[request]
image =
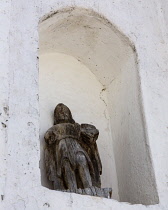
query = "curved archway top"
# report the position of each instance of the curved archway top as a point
(90, 38)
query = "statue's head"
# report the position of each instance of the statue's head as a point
(62, 114)
(89, 133)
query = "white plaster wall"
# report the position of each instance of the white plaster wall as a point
(132, 155)
(63, 79)
(144, 24)
(4, 90)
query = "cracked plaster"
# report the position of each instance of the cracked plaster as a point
(144, 22)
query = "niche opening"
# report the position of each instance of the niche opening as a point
(99, 47)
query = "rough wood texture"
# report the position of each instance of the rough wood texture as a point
(94, 191)
(71, 156)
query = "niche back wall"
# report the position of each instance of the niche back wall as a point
(63, 79)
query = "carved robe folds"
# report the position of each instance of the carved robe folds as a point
(71, 155)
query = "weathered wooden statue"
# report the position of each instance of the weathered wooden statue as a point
(71, 155)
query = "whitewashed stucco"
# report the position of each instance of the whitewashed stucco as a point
(144, 23)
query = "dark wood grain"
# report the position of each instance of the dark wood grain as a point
(71, 156)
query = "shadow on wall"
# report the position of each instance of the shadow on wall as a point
(111, 57)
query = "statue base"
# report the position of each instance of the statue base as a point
(93, 191)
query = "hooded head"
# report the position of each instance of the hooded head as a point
(89, 133)
(62, 114)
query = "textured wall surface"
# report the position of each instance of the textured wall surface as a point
(144, 23)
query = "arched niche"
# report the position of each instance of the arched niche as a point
(110, 56)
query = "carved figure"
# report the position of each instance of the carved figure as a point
(88, 137)
(71, 155)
